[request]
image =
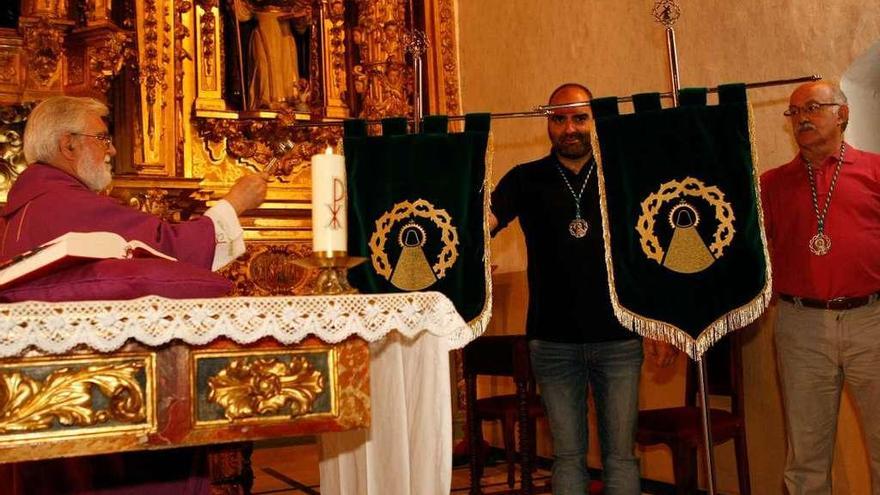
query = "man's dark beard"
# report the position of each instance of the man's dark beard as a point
(573, 151)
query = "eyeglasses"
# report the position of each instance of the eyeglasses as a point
(104, 138)
(808, 109)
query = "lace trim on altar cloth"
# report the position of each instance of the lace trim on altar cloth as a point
(106, 325)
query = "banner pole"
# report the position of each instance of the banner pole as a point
(707, 425)
(545, 110)
(416, 44)
(666, 12)
(245, 104)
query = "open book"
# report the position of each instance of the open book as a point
(71, 248)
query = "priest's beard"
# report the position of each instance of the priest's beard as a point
(95, 174)
(573, 145)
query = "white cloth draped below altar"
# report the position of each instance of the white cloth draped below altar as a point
(408, 448)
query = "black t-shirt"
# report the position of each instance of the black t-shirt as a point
(568, 282)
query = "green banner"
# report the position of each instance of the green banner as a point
(687, 261)
(417, 206)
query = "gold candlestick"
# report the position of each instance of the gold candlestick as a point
(332, 278)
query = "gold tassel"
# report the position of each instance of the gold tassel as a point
(478, 325)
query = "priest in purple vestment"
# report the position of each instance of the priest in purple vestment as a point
(68, 149)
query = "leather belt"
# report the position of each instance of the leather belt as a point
(838, 304)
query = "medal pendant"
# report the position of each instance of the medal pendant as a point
(578, 228)
(820, 244)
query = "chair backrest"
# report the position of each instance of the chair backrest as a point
(723, 370)
(498, 355)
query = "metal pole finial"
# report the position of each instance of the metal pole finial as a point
(666, 12)
(415, 43)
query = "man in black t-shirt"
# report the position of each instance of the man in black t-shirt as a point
(574, 338)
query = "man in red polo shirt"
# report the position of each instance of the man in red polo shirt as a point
(822, 216)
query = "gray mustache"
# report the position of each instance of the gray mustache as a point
(806, 126)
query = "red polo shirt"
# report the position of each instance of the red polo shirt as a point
(852, 267)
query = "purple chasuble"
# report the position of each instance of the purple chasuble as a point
(45, 203)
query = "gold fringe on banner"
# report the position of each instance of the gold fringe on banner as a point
(478, 325)
(667, 332)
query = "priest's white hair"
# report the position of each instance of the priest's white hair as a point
(53, 118)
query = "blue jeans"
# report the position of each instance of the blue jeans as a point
(612, 369)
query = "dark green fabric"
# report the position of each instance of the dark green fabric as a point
(640, 152)
(436, 124)
(445, 169)
(355, 127)
(604, 107)
(394, 126)
(646, 102)
(692, 97)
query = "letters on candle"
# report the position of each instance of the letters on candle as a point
(329, 203)
(338, 204)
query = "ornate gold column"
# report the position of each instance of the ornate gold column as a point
(443, 91)
(154, 150)
(381, 76)
(207, 68)
(333, 59)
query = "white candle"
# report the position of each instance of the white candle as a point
(329, 204)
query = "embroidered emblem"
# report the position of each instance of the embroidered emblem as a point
(686, 251)
(417, 226)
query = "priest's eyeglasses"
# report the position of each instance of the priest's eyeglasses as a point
(105, 139)
(809, 109)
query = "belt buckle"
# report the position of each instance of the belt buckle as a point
(832, 303)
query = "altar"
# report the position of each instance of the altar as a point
(369, 374)
(95, 377)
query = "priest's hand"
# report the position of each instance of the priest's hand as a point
(248, 192)
(661, 353)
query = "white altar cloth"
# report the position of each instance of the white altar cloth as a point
(408, 448)
(106, 325)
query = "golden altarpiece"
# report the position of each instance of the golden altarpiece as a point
(202, 92)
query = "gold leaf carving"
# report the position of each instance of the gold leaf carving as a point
(208, 21)
(12, 122)
(336, 48)
(268, 270)
(107, 59)
(44, 48)
(381, 76)
(152, 70)
(265, 386)
(253, 141)
(65, 396)
(449, 54)
(273, 270)
(9, 74)
(181, 33)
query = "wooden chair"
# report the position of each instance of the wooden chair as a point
(506, 355)
(680, 428)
